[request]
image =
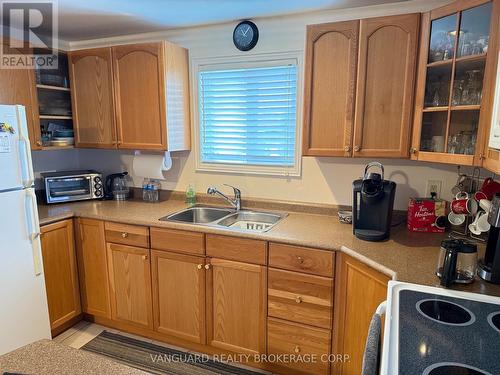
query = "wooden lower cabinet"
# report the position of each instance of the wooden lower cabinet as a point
(92, 267)
(299, 297)
(236, 306)
(359, 290)
(179, 295)
(61, 275)
(303, 349)
(130, 285)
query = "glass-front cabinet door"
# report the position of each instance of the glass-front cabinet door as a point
(452, 66)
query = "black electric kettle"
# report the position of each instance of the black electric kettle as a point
(108, 184)
(457, 262)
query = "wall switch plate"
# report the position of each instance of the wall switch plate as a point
(433, 186)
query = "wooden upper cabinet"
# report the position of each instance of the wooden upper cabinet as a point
(18, 86)
(330, 76)
(455, 85)
(139, 92)
(385, 85)
(130, 285)
(131, 97)
(92, 98)
(61, 274)
(236, 306)
(358, 292)
(491, 159)
(92, 267)
(152, 96)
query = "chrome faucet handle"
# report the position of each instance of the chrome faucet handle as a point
(237, 192)
(211, 190)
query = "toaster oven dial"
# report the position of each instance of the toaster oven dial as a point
(97, 180)
(98, 193)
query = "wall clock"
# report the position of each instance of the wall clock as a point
(245, 35)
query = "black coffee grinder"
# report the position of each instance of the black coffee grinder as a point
(489, 267)
(373, 202)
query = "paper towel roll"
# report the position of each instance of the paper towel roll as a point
(151, 165)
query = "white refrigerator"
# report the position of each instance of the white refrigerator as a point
(24, 316)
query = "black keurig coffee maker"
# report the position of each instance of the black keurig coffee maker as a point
(373, 201)
(489, 267)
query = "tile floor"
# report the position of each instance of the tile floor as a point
(82, 332)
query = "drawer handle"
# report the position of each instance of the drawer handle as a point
(300, 259)
(296, 349)
(298, 299)
(207, 266)
(124, 234)
(199, 266)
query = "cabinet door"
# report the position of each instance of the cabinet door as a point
(92, 98)
(130, 285)
(18, 86)
(179, 311)
(330, 76)
(140, 96)
(385, 85)
(358, 292)
(92, 267)
(236, 294)
(61, 275)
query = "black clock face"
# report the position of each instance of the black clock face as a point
(245, 35)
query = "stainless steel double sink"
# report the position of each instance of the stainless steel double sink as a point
(244, 220)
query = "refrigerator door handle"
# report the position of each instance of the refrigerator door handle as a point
(26, 166)
(33, 226)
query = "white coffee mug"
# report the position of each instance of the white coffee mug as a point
(456, 219)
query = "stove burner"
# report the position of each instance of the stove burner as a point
(445, 312)
(494, 320)
(452, 368)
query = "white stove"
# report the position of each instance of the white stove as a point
(436, 331)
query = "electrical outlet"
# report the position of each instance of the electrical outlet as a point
(433, 186)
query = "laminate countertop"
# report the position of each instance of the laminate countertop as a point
(406, 256)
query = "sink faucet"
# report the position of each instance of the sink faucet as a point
(236, 202)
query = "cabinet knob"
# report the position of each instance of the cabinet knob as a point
(357, 148)
(296, 349)
(144, 257)
(298, 299)
(300, 259)
(199, 266)
(347, 148)
(39, 143)
(207, 266)
(413, 150)
(124, 234)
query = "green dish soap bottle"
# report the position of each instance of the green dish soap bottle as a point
(190, 195)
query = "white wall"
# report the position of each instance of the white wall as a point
(323, 180)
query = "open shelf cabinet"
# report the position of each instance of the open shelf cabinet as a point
(54, 105)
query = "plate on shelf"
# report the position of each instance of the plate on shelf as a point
(62, 141)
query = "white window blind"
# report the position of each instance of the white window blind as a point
(248, 116)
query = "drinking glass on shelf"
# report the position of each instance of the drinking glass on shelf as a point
(458, 87)
(477, 84)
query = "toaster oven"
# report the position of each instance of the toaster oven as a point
(68, 186)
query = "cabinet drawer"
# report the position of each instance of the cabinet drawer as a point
(300, 298)
(132, 235)
(239, 249)
(302, 259)
(296, 339)
(177, 240)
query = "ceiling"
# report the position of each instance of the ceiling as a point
(89, 19)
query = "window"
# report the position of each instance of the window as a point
(248, 118)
